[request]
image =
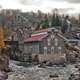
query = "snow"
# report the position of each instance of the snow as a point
(35, 73)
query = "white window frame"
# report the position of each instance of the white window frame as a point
(56, 42)
(45, 50)
(52, 36)
(49, 41)
(59, 49)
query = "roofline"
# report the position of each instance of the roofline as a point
(37, 40)
(65, 39)
(68, 40)
(62, 37)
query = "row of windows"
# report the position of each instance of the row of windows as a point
(32, 49)
(52, 49)
(55, 41)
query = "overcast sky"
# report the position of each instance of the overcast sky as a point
(71, 6)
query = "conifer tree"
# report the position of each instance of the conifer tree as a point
(55, 21)
(45, 22)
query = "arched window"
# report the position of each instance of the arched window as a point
(45, 50)
(56, 42)
(52, 36)
(49, 41)
(59, 49)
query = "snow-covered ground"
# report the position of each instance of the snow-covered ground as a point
(35, 73)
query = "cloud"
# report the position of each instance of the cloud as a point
(43, 5)
(73, 1)
(40, 2)
(47, 5)
(30, 2)
(0, 6)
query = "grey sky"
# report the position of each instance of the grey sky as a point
(43, 5)
(74, 1)
(71, 1)
(30, 2)
(39, 1)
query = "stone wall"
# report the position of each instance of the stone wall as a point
(55, 58)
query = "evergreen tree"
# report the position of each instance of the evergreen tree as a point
(55, 21)
(45, 23)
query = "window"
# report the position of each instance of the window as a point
(45, 50)
(49, 42)
(52, 49)
(59, 50)
(35, 49)
(30, 49)
(56, 42)
(52, 36)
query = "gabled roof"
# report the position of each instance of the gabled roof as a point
(40, 31)
(37, 36)
(44, 30)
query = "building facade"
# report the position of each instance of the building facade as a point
(47, 44)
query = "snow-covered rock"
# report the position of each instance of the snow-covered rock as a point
(36, 73)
